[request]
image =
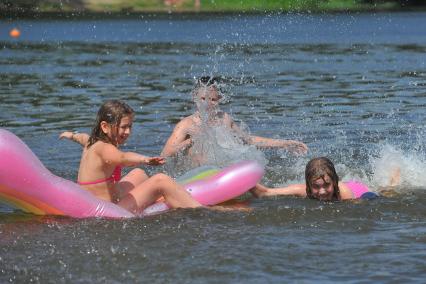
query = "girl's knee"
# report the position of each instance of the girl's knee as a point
(163, 182)
(160, 178)
(138, 172)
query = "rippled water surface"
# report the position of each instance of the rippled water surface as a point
(352, 87)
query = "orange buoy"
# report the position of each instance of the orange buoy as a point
(15, 33)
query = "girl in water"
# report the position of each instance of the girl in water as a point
(101, 162)
(322, 182)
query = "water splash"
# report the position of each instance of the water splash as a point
(409, 162)
(215, 141)
(220, 146)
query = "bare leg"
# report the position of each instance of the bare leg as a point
(395, 180)
(131, 181)
(157, 186)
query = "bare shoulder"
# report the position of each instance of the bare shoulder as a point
(101, 147)
(187, 121)
(185, 124)
(345, 191)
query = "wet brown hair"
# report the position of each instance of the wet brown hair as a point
(111, 112)
(207, 81)
(318, 168)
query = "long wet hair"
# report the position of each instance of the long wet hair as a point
(318, 168)
(111, 112)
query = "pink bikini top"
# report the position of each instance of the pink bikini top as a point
(115, 177)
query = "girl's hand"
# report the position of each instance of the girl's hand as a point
(66, 134)
(154, 161)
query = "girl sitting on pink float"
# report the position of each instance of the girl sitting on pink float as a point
(101, 162)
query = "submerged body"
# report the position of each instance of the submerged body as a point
(348, 190)
(322, 183)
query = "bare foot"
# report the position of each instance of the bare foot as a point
(395, 178)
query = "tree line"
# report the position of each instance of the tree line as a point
(25, 6)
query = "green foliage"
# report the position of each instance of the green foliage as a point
(28, 6)
(16, 5)
(281, 5)
(206, 5)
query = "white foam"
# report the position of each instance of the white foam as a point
(410, 163)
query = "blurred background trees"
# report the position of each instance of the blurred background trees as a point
(29, 6)
(402, 3)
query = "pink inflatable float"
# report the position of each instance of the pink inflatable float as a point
(26, 184)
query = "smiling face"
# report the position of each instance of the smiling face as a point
(322, 188)
(113, 123)
(322, 181)
(124, 129)
(118, 133)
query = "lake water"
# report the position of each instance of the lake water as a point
(352, 87)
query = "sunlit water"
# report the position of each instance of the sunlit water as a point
(352, 87)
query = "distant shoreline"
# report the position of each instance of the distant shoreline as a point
(14, 9)
(186, 14)
(33, 9)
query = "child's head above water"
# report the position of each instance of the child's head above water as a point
(113, 123)
(207, 90)
(322, 181)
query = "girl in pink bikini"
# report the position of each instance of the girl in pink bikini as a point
(101, 162)
(322, 182)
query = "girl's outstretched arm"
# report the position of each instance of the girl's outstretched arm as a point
(80, 138)
(293, 189)
(112, 155)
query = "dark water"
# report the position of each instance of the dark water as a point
(351, 86)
